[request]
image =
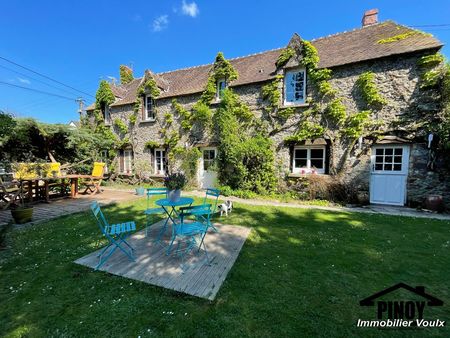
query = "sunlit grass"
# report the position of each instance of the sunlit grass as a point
(301, 273)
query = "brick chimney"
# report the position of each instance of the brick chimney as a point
(370, 17)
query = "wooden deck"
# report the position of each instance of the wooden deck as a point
(59, 207)
(193, 276)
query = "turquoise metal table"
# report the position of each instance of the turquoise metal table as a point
(170, 209)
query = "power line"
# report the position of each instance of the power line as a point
(45, 76)
(38, 91)
(437, 25)
(35, 79)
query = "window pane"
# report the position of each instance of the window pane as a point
(301, 153)
(300, 163)
(317, 153)
(388, 159)
(295, 86)
(388, 166)
(398, 151)
(389, 151)
(149, 108)
(379, 159)
(378, 166)
(318, 164)
(379, 151)
(397, 159)
(397, 167)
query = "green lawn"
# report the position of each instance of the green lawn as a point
(301, 273)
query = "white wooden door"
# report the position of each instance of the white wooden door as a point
(207, 169)
(389, 172)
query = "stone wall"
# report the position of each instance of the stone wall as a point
(397, 79)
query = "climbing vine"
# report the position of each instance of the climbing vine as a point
(149, 87)
(246, 158)
(126, 74)
(435, 76)
(151, 145)
(336, 111)
(121, 126)
(402, 36)
(103, 98)
(285, 56)
(184, 114)
(369, 90)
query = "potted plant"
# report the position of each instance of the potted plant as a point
(141, 170)
(21, 212)
(174, 183)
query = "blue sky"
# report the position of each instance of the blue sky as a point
(80, 42)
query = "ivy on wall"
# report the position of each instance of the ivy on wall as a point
(103, 98)
(369, 90)
(284, 57)
(326, 114)
(121, 126)
(184, 114)
(150, 145)
(435, 77)
(126, 74)
(246, 158)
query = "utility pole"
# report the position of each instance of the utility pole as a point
(80, 107)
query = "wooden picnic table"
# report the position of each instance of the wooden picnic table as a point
(34, 183)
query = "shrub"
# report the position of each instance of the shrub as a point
(322, 187)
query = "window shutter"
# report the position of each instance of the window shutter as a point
(143, 108)
(327, 158)
(121, 162)
(291, 159)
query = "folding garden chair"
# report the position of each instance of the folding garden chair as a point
(152, 209)
(116, 235)
(192, 233)
(212, 194)
(93, 183)
(9, 192)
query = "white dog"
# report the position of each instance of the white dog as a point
(225, 207)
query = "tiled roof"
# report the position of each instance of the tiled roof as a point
(335, 50)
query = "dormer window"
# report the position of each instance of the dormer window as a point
(149, 109)
(221, 85)
(295, 87)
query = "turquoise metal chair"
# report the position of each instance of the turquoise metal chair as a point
(214, 195)
(152, 209)
(189, 232)
(116, 235)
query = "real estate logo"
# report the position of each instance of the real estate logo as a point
(401, 313)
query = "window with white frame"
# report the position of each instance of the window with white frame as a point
(295, 87)
(126, 162)
(307, 160)
(160, 162)
(149, 109)
(221, 85)
(209, 156)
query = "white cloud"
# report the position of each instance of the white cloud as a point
(160, 23)
(23, 80)
(190, 9)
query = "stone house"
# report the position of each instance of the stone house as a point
(393, 168)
